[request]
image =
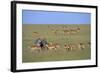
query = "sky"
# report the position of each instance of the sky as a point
(54, 17)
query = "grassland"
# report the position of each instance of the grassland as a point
(46, 31)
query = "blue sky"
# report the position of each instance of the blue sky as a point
(54, 17)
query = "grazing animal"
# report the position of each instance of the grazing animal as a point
(55, 32)
(35, 32)
(81, 46)
(78, 29)
(66, 31)
(75, 30)
(71, 30)
(64, 27)
(69, 47)
(57, 45)
(88, 44)
(52, 46)
(35, 48)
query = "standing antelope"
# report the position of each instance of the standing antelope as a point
(78, 29)
(69, 47)
(52, 46)
(55, 32)
(34, 48)
(74, 30)
(66, 31)
(35, 34)
(88, 44)
(81, 46)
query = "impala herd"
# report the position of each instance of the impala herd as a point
(65, 46)
(66, 31)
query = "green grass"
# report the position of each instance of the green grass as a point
(43, 30)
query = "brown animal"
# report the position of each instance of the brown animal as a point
(74, 30)
(35, 32)
(66, 31)
(55, 32)
(64, 27)
(88, 44)
(35, 48)
(70, 47)
(81, 46)
(67, 47)
(52, 46)
(78, 29)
